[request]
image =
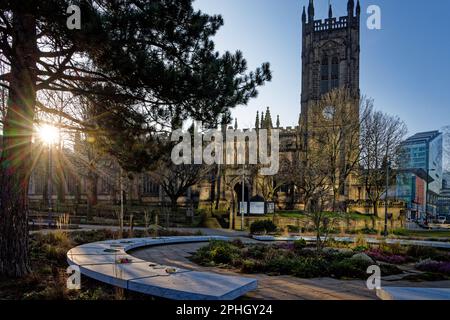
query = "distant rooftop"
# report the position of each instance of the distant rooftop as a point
(423, 137)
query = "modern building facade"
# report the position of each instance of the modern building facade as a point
(443, 203)
(423, 151)
(411, 188)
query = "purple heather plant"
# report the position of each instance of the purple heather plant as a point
(434, 266)
(383, 256)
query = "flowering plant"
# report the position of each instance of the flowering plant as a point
(383, 256)
(434, 266)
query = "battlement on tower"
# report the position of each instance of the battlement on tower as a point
(330, 24)
(351, 20)
(283, 130)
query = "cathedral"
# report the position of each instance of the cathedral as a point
(330, 60)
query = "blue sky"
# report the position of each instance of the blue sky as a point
(405, 66)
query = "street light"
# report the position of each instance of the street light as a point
(426, 195)
(388, 164)
(243, 198)
(49, 135)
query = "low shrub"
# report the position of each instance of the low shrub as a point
(434, 267)
(400, 232)
(390, 269)
(238, 243)
(281, 265)
(263, 226)
(370, 231)
(350, 269)
(361, 248)
(293, 229)
(256, 251)
(309, 267)
(360, 241)
(383, 256)
(392, 249)
(421, 252)
(365, 231)
(217, 252)
(299, 245)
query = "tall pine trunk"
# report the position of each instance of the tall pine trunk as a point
(15, 169)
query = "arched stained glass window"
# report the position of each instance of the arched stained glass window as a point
(329, 74)
(324, 75)
(335, 73)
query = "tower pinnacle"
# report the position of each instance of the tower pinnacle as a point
(350, 7)
(304, 15)
(311, 11)
(257, 120)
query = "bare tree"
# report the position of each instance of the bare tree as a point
(310, 177)
(177, 179)
(337, 138)
(381, 138)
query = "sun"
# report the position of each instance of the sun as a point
(48, 134)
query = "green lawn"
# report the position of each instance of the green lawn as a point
(299, 214)
(424, 234)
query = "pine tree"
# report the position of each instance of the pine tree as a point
(155, 53)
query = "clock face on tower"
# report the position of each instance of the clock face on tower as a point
(328, 112)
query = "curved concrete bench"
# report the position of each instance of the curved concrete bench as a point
(109, 262)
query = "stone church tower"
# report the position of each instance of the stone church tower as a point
(330, 58)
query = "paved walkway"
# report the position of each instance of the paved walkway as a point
(269, 288)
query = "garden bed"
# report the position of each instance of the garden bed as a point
(341, 261)
(47, 281)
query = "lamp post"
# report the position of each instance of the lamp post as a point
(243, 198)
(426, 194)
(386, 207)
(49, 185)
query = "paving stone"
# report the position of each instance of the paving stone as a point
(85, 260)
(96, 251)
(120, 274)
(195, 286)
(404, 293)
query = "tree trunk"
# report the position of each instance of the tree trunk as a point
(18, 129)
(219, 188)
(92, 182)
(375, 208)
(174, 204)
(61, 179)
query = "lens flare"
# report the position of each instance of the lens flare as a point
(48, 134)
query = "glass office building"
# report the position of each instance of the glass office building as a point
(421, 159)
